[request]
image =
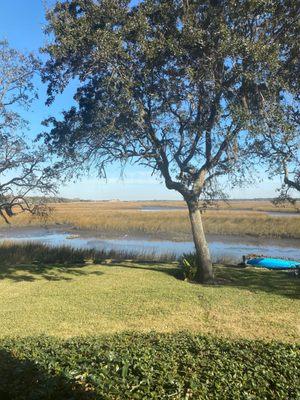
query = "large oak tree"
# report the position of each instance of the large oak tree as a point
(180, 87)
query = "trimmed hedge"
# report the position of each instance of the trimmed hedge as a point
(150, 366)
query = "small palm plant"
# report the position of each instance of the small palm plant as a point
(188, 264)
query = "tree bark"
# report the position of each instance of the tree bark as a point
(204, 272)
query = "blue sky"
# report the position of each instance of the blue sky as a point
(21, 23)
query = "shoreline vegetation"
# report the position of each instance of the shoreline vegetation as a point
(248, 218)
(42, 254)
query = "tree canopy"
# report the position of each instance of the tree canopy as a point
(23, 170)
(279, 149)
(182, 87)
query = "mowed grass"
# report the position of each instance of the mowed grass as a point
(126, 218)
(89, 299)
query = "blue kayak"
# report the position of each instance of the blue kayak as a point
(273, 263)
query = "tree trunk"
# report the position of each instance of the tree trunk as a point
(204, 272)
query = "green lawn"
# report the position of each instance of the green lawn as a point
(128, 296)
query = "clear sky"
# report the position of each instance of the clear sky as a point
(21, 23)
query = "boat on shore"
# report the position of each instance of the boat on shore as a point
(273, 263)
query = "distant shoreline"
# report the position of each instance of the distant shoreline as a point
(28, 231)
(166, 221)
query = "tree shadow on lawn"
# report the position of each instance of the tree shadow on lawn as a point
(251, 279)
(282, 283)
(24, 379)
(49, 272)
(157, 266)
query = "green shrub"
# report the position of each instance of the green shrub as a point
(151, 366)
(188, 264)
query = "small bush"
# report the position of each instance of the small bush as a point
(188, 264)
(152, 366)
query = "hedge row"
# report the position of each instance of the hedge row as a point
(150, 366)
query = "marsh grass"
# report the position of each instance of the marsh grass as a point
(123, 218)
(39, 253)
(114, 295)
(12, 253)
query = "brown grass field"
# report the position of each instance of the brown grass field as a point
(121, 218)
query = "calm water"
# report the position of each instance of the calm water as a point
(231, 247)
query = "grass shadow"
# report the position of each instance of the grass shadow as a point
(27, 261)
(49, 272)
(166, 268)
(25, 379)
(281, 283)
(256, 280)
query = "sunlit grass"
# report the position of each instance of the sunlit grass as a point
(116, 296)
